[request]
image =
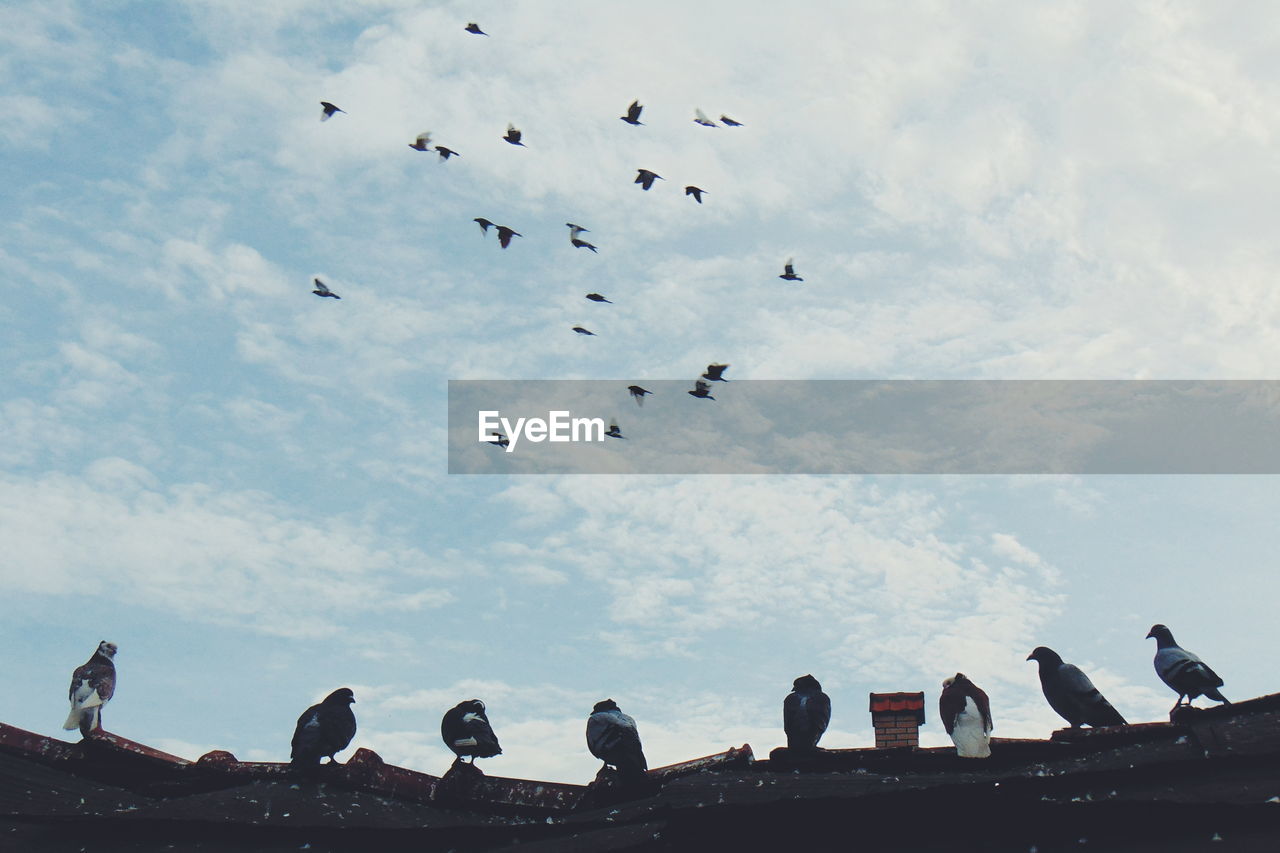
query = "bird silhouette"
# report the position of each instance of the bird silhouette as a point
(701, 390)
(696, 192)
(446, 153)
(730, 122)
(638, 393)
(633, 113)
(513, 135)
(715, 372)
(1070, 692)
(806, 712)
(474, 28)
(699, 117)
(329, 110)
(613, 738)
(614, 432)
(582, 331)
(422, 142)
(484, 224)
(93, 683)
(324, 729)
(322, 289)
(595, 297)
(789, 271)
(466, 730)
(500, 440)
(645, 178)
(505, 234)
(574, 231)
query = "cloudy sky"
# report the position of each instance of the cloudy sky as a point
(245, 486)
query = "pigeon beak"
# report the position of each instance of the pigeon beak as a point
(1149, 636)
(1031, 656)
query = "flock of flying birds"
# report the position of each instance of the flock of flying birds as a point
(644, 177)
(328, 727)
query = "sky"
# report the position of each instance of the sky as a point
(245, 486)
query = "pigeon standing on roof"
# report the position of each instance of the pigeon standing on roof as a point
(789, 271)
(466, 731)
(638, 393)
(324, 729)
(328, 110)
(1071, 693)
(633, 113)
(702, 390)
(966, 715)
(322, 289)
(513, 135)
(474, 29)
(645, 178)
(92, 685)
(805, 713)
(613, 738)
(1183, 671)
(699, 117)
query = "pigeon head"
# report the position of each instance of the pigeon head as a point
(806, 682)
(341, 696)
(606, 705)
(1160, 633)
(1045, 656)
(107, 650)
(474, 705)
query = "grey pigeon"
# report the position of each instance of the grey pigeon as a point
(466, 730)
(613, 738)
(583, 331)
(322, 289)
(324, 729)
(1184, 672)
(93, 683)
(645, 178)
(805, 713)
(1071, 693)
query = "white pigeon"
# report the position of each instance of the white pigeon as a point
(966, 715)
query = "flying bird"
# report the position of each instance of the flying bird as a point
(1183, 671)
(966, 715)
(638, 392)
(701, 389)
(633, 113)
(446, 153)
(505, 234)
(93, 683)
(613, 738)
(474, 28)
(614, 432)
(422, 142)
(696, 192)
(595, 297)
(324, 729)
(582, 331)
(715, 372)
(500, 440)
(645, 178)
(789, 271)
(805, 713)
(466, 731)
(574, 231)
(699, 117)
(1071, 693)
(730, 122)
(513, 135)
(484, 224)
(329, 110)
(322, 289)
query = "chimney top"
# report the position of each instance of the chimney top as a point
(897, 718)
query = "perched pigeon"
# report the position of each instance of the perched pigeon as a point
(92, 685)
(1184, 672)
(466, 731)
(696, 192)
(484, 224)
(324, 729)
(322, 289)
(474, 28)
(789, 271)
(614, 432)
(329, 110)
(715, 372)
(505, 234)
(730, 122)
(645, 178)
(701, 389)
(805, 713)
(613, 738)
(966, 715)
(638, 392)
(595, 297)
(1071, 693)
(582, 331)
(422, 142)
(699, 117)
(446, 153)
(574, 231)
(513, 135)
(633, 113)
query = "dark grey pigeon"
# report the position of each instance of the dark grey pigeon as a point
(702, 390)
(322, 289)
(730, 122)
(1183, 671)
(329, 110)
(595, 297)
(696, 192)
(638, 392)
(500, 440)
(805, 713)
(484, 224)
(505, 234)
(614, 432)
(789, 271)
(613, 738)
(446, 153)
(1071, 693)
(645, 178)
(582, 331)
(633, 113)
(715, 372)
(324, 729)
(466, 731)
(513, 135)
(474, 29)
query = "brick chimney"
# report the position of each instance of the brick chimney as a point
(897, 718)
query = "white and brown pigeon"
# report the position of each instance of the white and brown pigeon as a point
(966, 715)
(92, 685)
(324, 729)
